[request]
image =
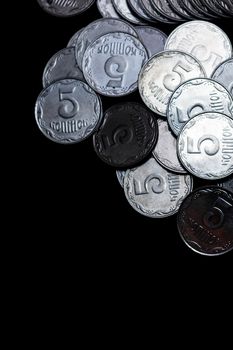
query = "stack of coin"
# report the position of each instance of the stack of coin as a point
(183, 130)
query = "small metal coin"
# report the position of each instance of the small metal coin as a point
(62, 66)
(96, 29)
(154, 191)
(166, 10)
(121, 176)
(162, 74)
(165, 151)
(204, 40)
(194, 97)
(127, 135)
(205, 221)
(72, 42)
(137, 8)
(111, 65)
(175, 5)
(157, 16)
(68, 111)
(65, 8)
(227, 184)
(153, 39)
(224, 75)
(124, 11)
(205, 146)
(107, 9)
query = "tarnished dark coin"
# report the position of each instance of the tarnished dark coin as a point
(62, 66)
(107, 9)
(224, 75)
(153, 39)
(65, 8)
(227, 184)
(127, 135)
(205, 221)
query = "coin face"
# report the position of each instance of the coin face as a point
(111, 65)
(127, 135)
(107, 9)
(124, 11)
(154, 191)
(227, 184)
(162, 74)
(62, 66)
(152, 38)
(65, 8)
(205, 146)
(205, 221)
(68, 111)
(224, 75)
(96, 29)
(194, 97)
(165, 149)
(204, 40)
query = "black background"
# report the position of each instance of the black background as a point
(79, 208)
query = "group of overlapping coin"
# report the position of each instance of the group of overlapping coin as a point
(186, 83)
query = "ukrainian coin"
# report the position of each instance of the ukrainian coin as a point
(137, 8)
(123, 9)
(227, 184)
(166, 10)
(201, 6)
(188, 6)
(107, 9)
(68, 111)
(62, 66)
(215, 8)
(165, 149)
(154, 191)
(162, 74)
(205, 146)
(194, 97)
(205, 221)
(121, 176)
(153, 39)
(157, 16)
(224, 75)
(175, 5)
(204, 40)
(95, 30)
(64, 8)
(127, 135)
(74, 39)
(111, 64)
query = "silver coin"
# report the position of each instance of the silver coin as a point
(224, 75)
(205, 146)
(204, 40)
(165, 151)
(107, 9)
(62, 66)
(95, 30)
(152, 38)
(137, 8)
(154, 191)
(111, 65)
(162, 74)
(68, 111)
(65, 8)
(124, 11)
(194, 97)
(73, 40)
(121, 177)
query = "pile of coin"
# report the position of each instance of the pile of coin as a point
(183, 129)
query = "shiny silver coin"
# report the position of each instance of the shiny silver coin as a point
(62, 66)
(73, 40)
(204, 40)
(205, 146)
(154, 191)
(162, 74)
(157, 16)
(194, 97)
(111, 65)
(106, 9)
(163, 6)
(137, 8)
(175, 5)
(124, 11)
(68, 111)
(65, 8)
(153, 39)
(96, 29)
(224, 75)
(205, 221)
(165, 151)
(121, 177)
(227, 184)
